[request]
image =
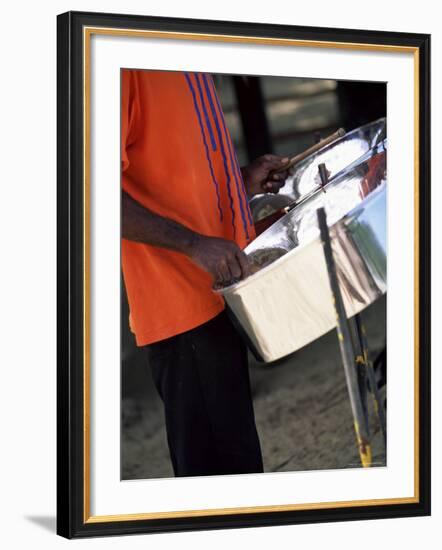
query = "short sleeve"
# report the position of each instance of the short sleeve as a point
(129, 110)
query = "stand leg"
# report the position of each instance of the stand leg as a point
(360, 370)
(378, 407)
(345, 345)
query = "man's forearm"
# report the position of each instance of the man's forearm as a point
(142, 225)
(223, 259)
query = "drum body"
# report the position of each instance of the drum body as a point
(288, 303)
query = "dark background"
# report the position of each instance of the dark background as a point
(301, 405)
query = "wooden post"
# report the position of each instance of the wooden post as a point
(251, 107)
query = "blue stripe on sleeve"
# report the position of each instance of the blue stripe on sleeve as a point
(223, 152)
(206, 115)
(238, 171)
(206, 147)
(242, 197)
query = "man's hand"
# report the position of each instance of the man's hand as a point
(258, 178)
(223, 259)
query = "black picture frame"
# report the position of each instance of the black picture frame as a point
(72, 520)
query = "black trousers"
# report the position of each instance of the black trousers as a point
(202, 377)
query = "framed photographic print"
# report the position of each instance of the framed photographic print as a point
(234, 253)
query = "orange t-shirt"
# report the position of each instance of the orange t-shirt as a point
(178, 160)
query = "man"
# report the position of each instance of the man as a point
(185, 221)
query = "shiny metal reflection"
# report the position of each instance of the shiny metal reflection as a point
(288, 303)
(337, 157)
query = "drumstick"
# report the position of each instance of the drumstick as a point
(313, 149)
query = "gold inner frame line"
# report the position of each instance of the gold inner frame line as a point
(87, 33)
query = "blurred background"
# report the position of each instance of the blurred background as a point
(285, 116)
(301, 403)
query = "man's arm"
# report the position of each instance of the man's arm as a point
(223, 259)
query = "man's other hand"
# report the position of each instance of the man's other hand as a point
(258, 177)
(223, 259)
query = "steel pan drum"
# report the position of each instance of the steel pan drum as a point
(288, 302)
(337, 157)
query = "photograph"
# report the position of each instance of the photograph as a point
(230, 360)
(221, 227)
(234, 254)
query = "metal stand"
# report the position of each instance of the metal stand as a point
(364, 360)
(357, 366)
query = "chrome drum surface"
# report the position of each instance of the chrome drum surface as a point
(288, 303)
(337, 157)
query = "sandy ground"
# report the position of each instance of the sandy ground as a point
(301, 405)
